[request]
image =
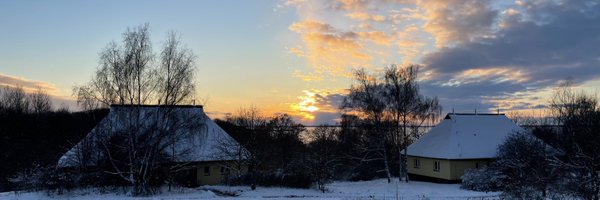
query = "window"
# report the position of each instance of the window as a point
(436, 166)
(207, 171)
(224, 170)
(417, 163)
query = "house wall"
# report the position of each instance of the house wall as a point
(449, 169)
(426, 167)
(214, 177)
(458, 167)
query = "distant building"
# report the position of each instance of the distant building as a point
(459, 142)
(206, 148)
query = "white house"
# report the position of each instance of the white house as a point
(205, 146)
(459, 142)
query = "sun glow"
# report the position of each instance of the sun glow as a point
(307, 105)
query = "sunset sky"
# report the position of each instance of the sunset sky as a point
(296, 56)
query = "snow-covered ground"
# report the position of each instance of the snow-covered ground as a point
(375, 189)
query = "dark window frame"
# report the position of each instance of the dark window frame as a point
(224, 170)
(206, 170)
(436, 166)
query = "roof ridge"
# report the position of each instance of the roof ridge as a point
(156, 105)
(476, 114)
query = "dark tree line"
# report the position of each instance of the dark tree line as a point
(33, 136)
(15, 100)
(275, 148)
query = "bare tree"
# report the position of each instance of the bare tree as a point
(409, 108)
(125, 75)
(367, 98)
(286, 144)
(252, 120)
(40, 102)
(532, 118)
(14, 99)
(577, 141)
(128, 75)
(176, 71)
(323, 155)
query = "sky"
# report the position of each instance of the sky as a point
(297, 56)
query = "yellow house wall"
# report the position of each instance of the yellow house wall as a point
(458, 167)
(215, 176)
(449, 169)
(426, 168)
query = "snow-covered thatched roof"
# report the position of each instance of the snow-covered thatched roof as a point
(197, 139)
(464, 136)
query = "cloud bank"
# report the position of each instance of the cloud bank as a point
(476, 53)
(31, 86)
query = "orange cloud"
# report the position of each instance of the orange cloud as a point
(356, 33)
(410, 43)
(330, 51)
(351, 4)
(341, 35)
(297, 51)
(497, 75)
(28, 85)
(378, 37)
(308, 77)
(364, 16)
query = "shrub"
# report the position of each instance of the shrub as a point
(485, 179)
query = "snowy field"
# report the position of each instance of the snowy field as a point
(375, 189)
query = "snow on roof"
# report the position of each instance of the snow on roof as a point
(203, 139)
(464, 136)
